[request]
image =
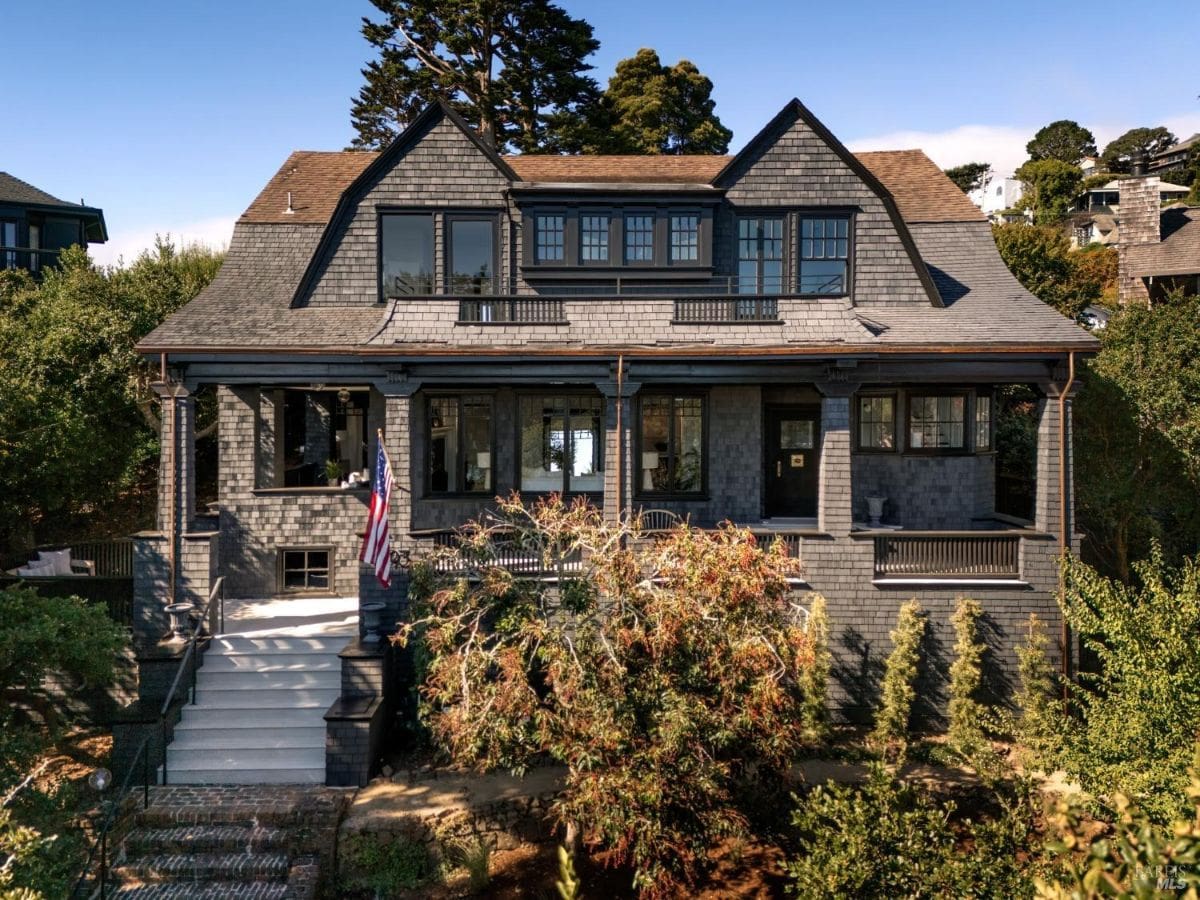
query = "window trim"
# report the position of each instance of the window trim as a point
(850, 216)
(537, 236)
(280, 569)
(524, 394)
(702, 492)
(578, 215)
(651, 213)
(492, 217)
(894, 395)
(673, 213)
(968, 421)
(427, 479)
(381, 297)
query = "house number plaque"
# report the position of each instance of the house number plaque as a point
(797, 460)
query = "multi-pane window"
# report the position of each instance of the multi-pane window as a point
(685, 238)
(8, 239)
(460, 444)
(320, 436)
(671, 445)
(877, 423)
(406, 254)
(562, 443)
(937, 422)
(824, 255)
(760, 256)
(593, 238)
(639, 238)
(551, 238)
(471, 256)
(983, 422)
(305, 569)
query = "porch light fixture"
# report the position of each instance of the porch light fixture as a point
(344, 396)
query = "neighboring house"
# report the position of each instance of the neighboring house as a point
(35, 227)
(1173, 157)
(1093, 228)
(1159, 249)
(794, 338)
(998, 198)
(1091, 165)
(1098, 218)
(1107, 197)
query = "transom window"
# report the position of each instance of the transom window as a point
(937, 422)
(671, 445)
(760, 256)
(593, 238)
(877, 423)
(406, 254)
(460, 444)
(685, 238)
(551, 238)
(639, 238)
(562, 444)
(305, 569)
(824, 255)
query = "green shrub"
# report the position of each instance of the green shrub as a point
(814, 681)
(568, 882)
(966, 675)
(476, 857)
(897, 690)
(385, 864)
(888, 839)
(1039, 726)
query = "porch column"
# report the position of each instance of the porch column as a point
(619, 466)
(835, 510)
(177, 456)
(1048, 506)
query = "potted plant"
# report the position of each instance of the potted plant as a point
(333, 472)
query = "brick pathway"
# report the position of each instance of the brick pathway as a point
(252, 842)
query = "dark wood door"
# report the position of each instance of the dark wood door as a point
(792, 435)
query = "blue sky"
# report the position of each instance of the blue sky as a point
(171, 116)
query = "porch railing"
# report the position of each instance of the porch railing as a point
(946, 554)
(727, 309)
(524, 311)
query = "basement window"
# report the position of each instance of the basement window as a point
(305, 569)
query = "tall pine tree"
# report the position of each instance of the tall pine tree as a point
(514, 69)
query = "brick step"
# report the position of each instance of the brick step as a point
(238, 806)
(166, 867)
(204, 839)
(212, 890)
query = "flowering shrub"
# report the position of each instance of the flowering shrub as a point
(660, 671)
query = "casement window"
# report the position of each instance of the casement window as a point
(877, 422)
(639, 238)
(321, 437)
(405, 254)
(937, 422)
(471, 254)
(8, 241)
(562, 444)
(671, 438)
(824, 255)
(685, 238)
(551, 238)
(983, 422)
(305, 569)
(760, 255)
(593, 238)
(460, 437)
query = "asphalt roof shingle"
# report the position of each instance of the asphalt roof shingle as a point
(1178, 253)
(14, 190)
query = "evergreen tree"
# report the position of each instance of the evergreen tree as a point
(652, 108)
(514, 69)
(1118, 155)
(970, 176)
(1051, 186)
(1063, 140)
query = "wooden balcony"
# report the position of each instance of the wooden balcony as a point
(948, 555)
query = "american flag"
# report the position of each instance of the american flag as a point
(377, 545)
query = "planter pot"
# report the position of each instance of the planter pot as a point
(181, 619)
(372, 616)
(875, 510)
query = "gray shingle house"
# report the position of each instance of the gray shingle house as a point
(795, 338)
(35, 226)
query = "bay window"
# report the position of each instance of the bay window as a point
(562, 444)
(877, 422)
(937, 422)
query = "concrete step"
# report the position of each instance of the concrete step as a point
(264, 698)
(204, 718)
(212, 890)
(257, 680)
(280, 774)
(229, 645)
(271, 662)
(204, 839)
(204, 867)
(251, 758)
(249, 738)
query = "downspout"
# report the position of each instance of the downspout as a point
(620, 439)
(1064, 542)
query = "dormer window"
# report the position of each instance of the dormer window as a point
(760, 255)
(639, 238)
(685, 238)
(471, 255)
(824, 255)
(551, 238)
(405, 254)
(593, 238)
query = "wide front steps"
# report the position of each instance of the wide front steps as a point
(209, 843)
(259, 715)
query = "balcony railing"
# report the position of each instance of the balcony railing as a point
(522, 310)
(26, 258)
(948, 554)
(720, 310)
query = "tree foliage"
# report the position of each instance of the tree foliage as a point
(72, 437)
(966, 713)
(659, 672)
(1039, 726)
(515, 70)
(1118, 154)
(1051, 186)
(1064, 140)
(970, 176)
(898, 690)
(649, 107)
(814, 680)
(1041, 258)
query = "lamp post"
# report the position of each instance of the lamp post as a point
(100, 780)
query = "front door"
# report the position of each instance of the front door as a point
(792, 436)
